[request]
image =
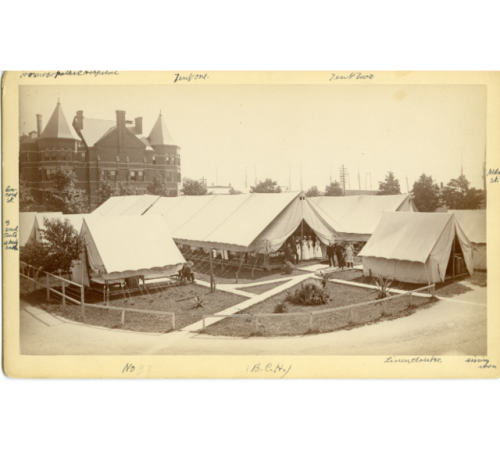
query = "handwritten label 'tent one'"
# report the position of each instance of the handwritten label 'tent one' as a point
(190, 77)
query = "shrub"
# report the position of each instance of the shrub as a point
(281, 307)
(309, 293)
(288, 268)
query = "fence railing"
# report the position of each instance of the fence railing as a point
(351, 307)
(48, 277)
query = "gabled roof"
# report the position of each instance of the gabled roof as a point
(94, 129)
(58, 126)
(159, 134)
(473, 222)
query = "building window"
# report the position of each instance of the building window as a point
(83, 156)
(47, 156)
(169, 176)
(128, 159)
(112, 176)
(178, 177)
(178, 160)
(98, 158)
(117, 158)
(145, 160)
(154, 159)
(132, 176)
(140, 176)
(102, 174)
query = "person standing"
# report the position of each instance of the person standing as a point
(310, 248)
(317, 249)
(305, 249)
(298, 249)
(339, 252)
(349, 255)
(330, 253)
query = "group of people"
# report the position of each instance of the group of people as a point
(343, 253)
(303, 249)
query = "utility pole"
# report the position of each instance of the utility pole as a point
(359, 180)
(343, 175)
(407, 188)
(289, 178)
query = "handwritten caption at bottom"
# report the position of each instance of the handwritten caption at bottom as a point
(269, 369)
(414, 360)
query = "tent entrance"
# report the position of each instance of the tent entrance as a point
(456, 263)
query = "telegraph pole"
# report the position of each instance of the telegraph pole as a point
(343, 175)
(407, 188)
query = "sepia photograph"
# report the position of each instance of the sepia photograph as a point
(190, 218)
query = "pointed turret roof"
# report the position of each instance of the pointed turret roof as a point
(58, 127)
(159, 134)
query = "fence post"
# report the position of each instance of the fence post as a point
(203, 328)
(123, 317)
(433, 289)
(383, 307)
(63, 294)
(82, 300)
(310, 320)
(48, 287)
(411, 298)
(173, 321)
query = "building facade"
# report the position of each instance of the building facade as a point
(96, 150)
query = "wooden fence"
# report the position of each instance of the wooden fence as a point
(310, 315)
(64, 283)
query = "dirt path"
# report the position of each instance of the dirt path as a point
(448, 328)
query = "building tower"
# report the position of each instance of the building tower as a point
(166, 150)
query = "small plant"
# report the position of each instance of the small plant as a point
(382, 286)
(281, 307)
(288, 268)
(198, 302)
(309, 293)
(324, 278)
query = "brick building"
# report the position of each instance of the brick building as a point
(99, 149)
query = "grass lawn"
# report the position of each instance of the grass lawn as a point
(243, 325)
(169, 300)
(259, 289)
(447, 289)
(245, 275)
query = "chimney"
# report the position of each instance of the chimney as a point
(138, 125)
(39, 124)
(120, 125)
(79, 119)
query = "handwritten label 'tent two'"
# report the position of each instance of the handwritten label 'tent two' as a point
(353, 76)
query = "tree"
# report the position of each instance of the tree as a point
(126, 189)
(193, 188)
(390, 186)
(62, 245)
(26, 200)
(267, 186)
(457, 195)
(333, 189)
(158, 186)
(64, 242)
(426, 194)
(64, 196)
(107, 189)
(313, 192)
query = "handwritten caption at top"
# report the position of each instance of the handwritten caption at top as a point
(74, 73)
(352, 76)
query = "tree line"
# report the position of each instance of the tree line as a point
(427, 195)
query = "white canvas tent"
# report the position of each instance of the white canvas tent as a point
(358, 216)
(414, 247)
(256, 222)
(126, 205)
(473, 222)
(118, 247)
(26, 230)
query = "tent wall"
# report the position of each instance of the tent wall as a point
(479, 256)
(404, 271)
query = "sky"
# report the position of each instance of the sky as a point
(298, 135)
